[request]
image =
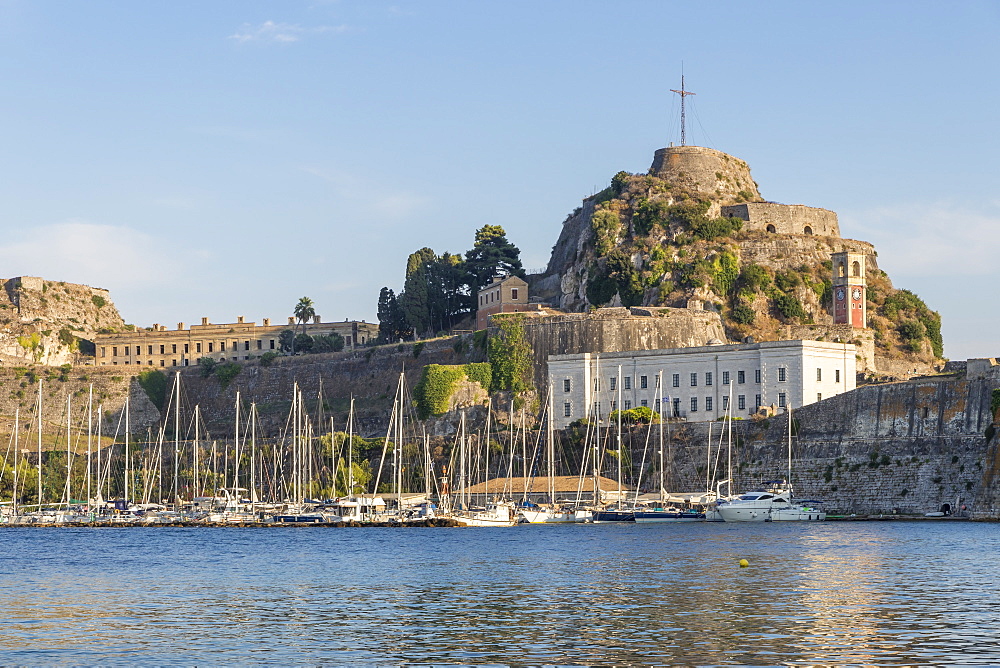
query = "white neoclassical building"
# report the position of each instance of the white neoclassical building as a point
(696, 383)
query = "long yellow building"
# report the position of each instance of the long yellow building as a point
(238, 341)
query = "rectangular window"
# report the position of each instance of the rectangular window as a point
(126, 351)
(211, 346)
(725, 378)
(741, 402)
(104, 351)
(186, 351)
(597, 385)
(567, 410)
(741, 377)
(694, 404)
(628, 404)
(513, 293)
(782, 374)
(657, 405)
(222, 346)
(643, 382)
(614, 383)
(708, 378)
(197, 347)
(677, 407)
(150, 362)
(173, 348)
(186, 360)
(819, 396)
(725, 403)
(819, 375)
(836, 376)
(236, 346)
(657, 384)
(756, 376)
(781, 399)
(566, 384)
(272, 344)
(756, 400)
(613, 404)
(114, 351)
(246, 345)
(628, 382)
(708, 403)
(644, 403)
(260, 344)
(677, 380)
(694, 380)
(173, 362)
(162, 350)
(163, 363)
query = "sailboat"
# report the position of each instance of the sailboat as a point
(773, 501)
(619, 512)
(494, 513)
(551, 513)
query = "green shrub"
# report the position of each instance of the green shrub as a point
(479, 372)
(99, 301)
(154, 384)
(226, 372)
(510, 355)
(606, 226)
(268, 358)
(789, 306)
(418, 347)
(743, 315)
(434, 389)
(207, 366)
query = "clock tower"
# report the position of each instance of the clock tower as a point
(849, 290)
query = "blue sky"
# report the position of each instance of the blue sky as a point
(226, 158)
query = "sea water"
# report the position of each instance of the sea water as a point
(874, 593)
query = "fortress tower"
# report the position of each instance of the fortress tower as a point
(849, 290)
(702, 170)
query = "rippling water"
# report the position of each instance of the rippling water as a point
(886, 593)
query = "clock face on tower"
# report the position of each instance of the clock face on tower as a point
(856, 294)
(840, 294)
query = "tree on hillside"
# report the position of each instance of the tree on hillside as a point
(391, 319)
(415, 298)
(492, 254)
(303, 312)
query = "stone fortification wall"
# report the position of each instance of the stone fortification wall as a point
(617, 329)
(906, 447)
(19, 391)
(705, 171)
(370, 375)
(42, 321)
(784, 218)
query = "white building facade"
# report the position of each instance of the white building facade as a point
(697, 384)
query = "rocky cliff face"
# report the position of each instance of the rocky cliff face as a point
(51, 322)
(669, 238)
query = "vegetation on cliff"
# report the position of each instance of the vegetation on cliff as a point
(433, 392)
(651, 242)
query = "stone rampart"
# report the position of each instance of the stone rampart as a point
(615, 330)
(706, 171)
(784, 218)
(908, 447)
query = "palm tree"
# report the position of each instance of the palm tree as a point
(304, 311)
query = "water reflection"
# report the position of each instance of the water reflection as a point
(873, 593)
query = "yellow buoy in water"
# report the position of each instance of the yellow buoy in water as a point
(744, 563)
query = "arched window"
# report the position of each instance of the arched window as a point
(856, 268)
(807, 230)
(771, 229)
(841, 270)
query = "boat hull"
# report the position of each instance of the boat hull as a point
(649, 516)
(599, 516)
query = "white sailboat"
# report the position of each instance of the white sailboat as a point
(550, 513)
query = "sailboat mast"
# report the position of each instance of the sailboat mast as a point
(618, 405)
(236, 463)
(69, 445)
(100, 467)
(177, 435)
(194, 460)
(253, 454)
(551, 454)
(659, 385)
(789, 445)
(90, 429)
(17, 430)
(128, 463)
(39, 443)
(350, 449)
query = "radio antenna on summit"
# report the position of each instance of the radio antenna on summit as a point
(683, 93)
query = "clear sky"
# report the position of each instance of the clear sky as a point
(226, 158)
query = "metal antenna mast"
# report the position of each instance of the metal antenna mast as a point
(683, 93)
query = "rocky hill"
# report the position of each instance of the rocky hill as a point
(695, 232)
(51, 322)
